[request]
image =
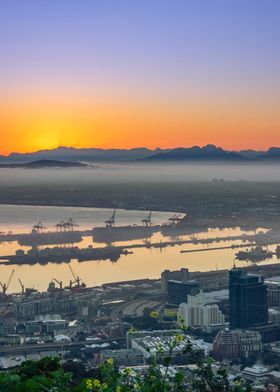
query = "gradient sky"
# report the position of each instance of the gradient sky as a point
(127, 73)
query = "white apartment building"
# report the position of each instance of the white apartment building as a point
(195, 313)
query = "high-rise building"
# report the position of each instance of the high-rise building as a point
(178, 291)
(247, 300)
(181, 275)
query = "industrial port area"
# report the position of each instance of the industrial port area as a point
(124, 320)
(61, 245)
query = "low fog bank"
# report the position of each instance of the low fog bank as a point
(141, 173)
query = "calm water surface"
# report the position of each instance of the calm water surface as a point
(143, 263)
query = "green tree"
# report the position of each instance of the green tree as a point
(47, 374)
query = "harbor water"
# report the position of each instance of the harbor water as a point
(143, 262)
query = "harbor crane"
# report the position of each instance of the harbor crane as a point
(76, 278)
(147, 221)
(21, 285)
(59, 282)
(111, 222)
(39, 228)
(5, 286)
(175, 219)
(59, 226)
(27, 290)
(70, 224)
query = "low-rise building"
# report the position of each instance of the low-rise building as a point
(250, 342)
(274, 315)
(52, 326)
(33, 327)
(158, 344)
(196, 313)
(126, 357)
(60, 338)
(255, 373)
(273, 293)
(226, 345)
(11, 339)
(7, 329)
(234, 344)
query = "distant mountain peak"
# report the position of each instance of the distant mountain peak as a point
(273, 153)
(208, 152)
(63, 153)
(43, 163)
(211, 147)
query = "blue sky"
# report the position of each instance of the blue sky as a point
(180, 51)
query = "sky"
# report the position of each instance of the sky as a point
(130, 73)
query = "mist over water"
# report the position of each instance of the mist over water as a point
(132, 186)
(139, 173)
(21, 218)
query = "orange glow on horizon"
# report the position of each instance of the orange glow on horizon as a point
(40, 124)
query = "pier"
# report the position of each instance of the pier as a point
(113, 253)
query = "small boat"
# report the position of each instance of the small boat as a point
(255, 254)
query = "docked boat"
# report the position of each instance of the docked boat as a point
(50, 238)
(255, 254)
(123, 233)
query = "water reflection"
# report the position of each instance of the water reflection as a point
(142, 263)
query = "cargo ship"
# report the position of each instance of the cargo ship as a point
(172, 230)
(182, 224)
(255, 254)
(111, 233)
(63, 255)
(123, 233)
(50, 238)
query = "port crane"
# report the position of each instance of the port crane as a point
(111, 222)
(70, 224)
(5, 286)
(26, 290)
(175, 219)
(76, 278)
(59, 226)
(21, 285)
(59, 282)
(39, 228)
(147, 221)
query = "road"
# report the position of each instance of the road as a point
(35, 348)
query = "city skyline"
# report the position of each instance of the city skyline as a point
(127, 74)
(140, 195)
